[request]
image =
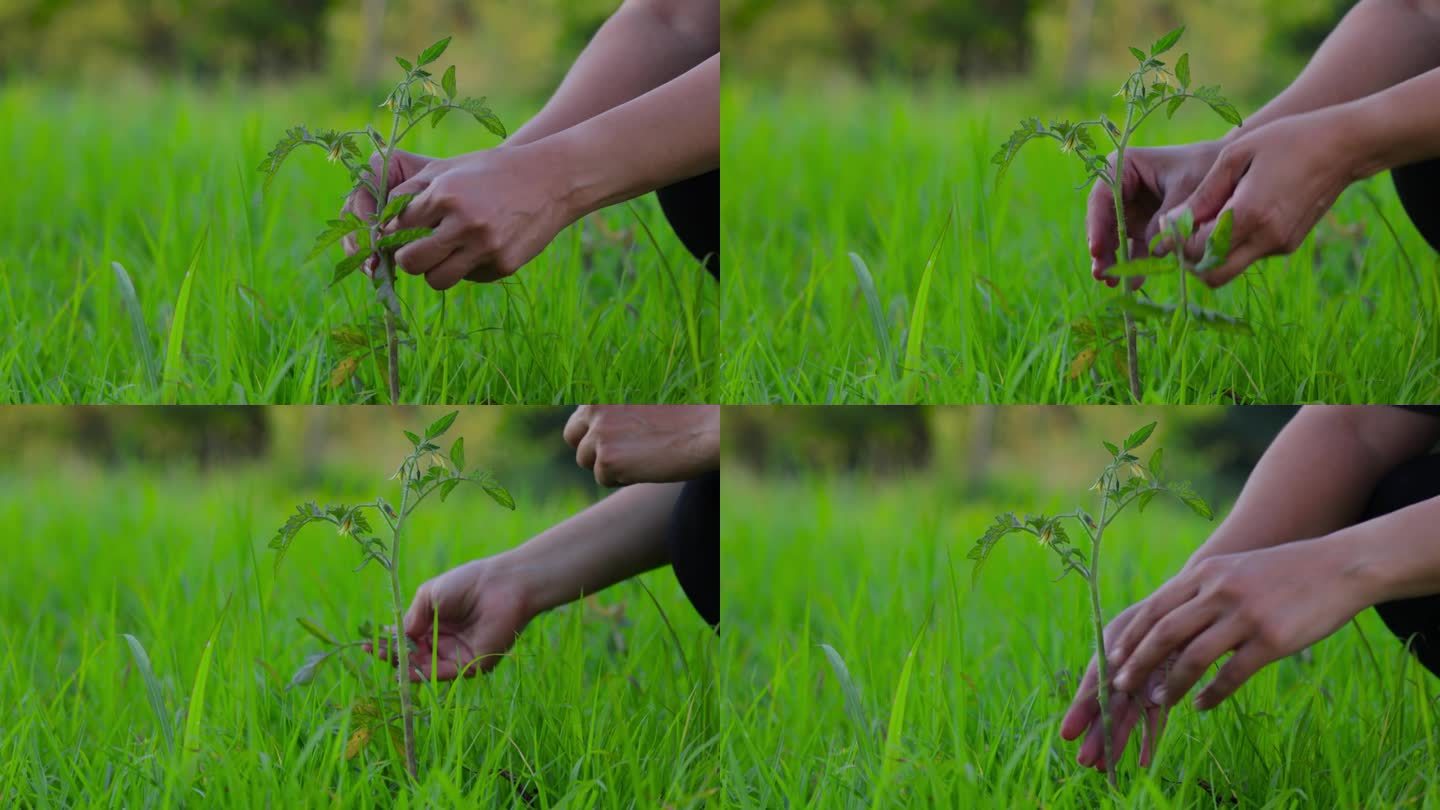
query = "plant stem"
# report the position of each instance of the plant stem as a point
(1122, 250)
(385, 269)
(1097, 617)
(407, 712)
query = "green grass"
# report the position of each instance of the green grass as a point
(153, 178)
(957, 691)
(586, 713)
(817, 175)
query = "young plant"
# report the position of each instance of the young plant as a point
(419, 96)
(1152, 86)
(426, 470)
(1125, 480)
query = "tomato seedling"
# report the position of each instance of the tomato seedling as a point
(426, 470)
(1125, 480)
(1152, 86)
(419, 96)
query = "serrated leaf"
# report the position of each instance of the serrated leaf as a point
(439, 426)
(1182, 71)
(457, 454)
(335, 230)
(1138, 438)
(308, 513)
(295, 136)
(403, 237)
(1081, 364)
(481, 113)
(344, 370)
(357, 743)
(348, 265)
(433, 52)
(447, 82)
(1166, 42)
(395, 207)
(497, 493)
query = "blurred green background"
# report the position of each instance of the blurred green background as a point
(1249, 46)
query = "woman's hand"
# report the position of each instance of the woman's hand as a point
(465, 620)
(1278, 180)
(629, 444)
(403, 166)
(1126, 710)
(1261, 605)
(1156, 180)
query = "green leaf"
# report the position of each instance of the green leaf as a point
(447, 486)
(1028, 130)
(395, 207)
(499, 494)
(295, 136)
(448, 82)
(457, 454)
(415, 440)
(314, 629)
(306, 673)
(1147, 266)
(1143, 499)
(404, 64)
(1182, 71)
(1137, 53)
(980, 552)
(1114, 451)
(175, 342)
(335, 230)
(1173, 106)
(476, 107)
(1167, 42)
(1157, 461)
(131, 299)
(348, 265)
(439, 426)
(439, 116)
(1192, 499)
(433, 52)
(877, 311)
(1183, 223)
(399, 238)
(1217, 245)
(1138, 438)
(854, 704)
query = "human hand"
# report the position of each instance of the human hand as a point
(1278, 180)
(491, 212)
(1126, 709)
(403, 166)
(630, 444)
(1262, 605)
(1155, 181)
(464, 621)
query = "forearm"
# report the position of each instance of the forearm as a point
(1397, 126)
(1378, 44)
(1394, 556)
(1317, 475)
(642, 46)
(667, 135)
(611, 541)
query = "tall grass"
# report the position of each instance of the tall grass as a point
(824, 182)
(162, 179)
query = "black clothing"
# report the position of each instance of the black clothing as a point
(693, 209)
(1419, 188)
(695, 544)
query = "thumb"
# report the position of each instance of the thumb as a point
(1216, 189)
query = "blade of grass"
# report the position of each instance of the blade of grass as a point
(169, 383)
(877, 312)
(854, 704)
(131, 301)
(152, 690)
(916, 338)
(896, 729)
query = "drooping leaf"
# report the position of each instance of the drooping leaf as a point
(433, 52)
(457, 454)
(1157, 463)
(1139, 437)
(357, 743)
(439, 426)
(335, 230)
(447, 82)
(1028, 130)
(1182, 71)
(306, 673)
(348, 265)
(438, 116)
(483, 114)
(1192, 499)
(1174, 105)
(306, 514)
(980, 552)
(295, 136)
(1081, 364)
(446, 487)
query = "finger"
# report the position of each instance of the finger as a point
(577, 426)
(1154, 727)
(454, 268)
(420, 614)
(423, 255)
(487, 273)
(443, 669)
(1092, 748)
(1083, 707)
(1100, 229)
(1171, 633)
(1249, 657)
(1216, 189)
(1122, 722)
(425, 211)
(585, 453)
(1239, 260)
(1204, 650)
(1167, 597)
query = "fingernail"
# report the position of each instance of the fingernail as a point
(1202, 702)
(1122, 680)
(1116, 656)
(1159, 695)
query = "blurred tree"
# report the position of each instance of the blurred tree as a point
(205, 435)
(875, 438)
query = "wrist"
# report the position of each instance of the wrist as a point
(1365, 577)
(574, 185)
(520, 576)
